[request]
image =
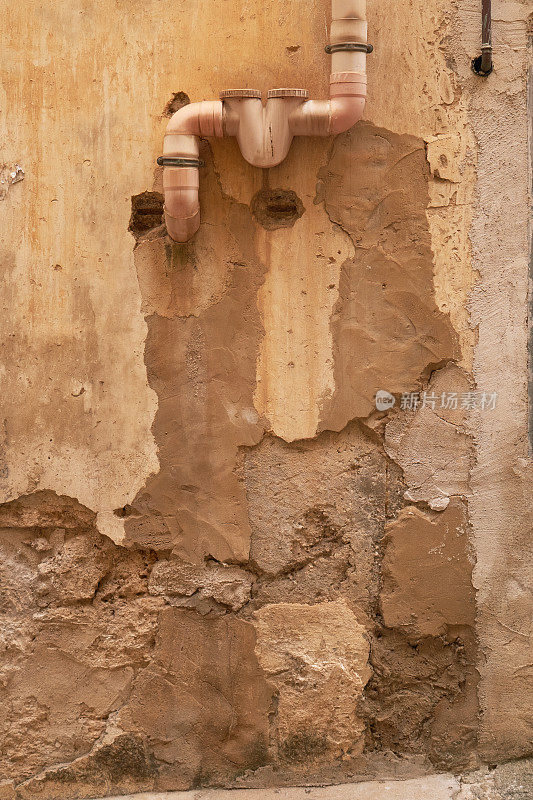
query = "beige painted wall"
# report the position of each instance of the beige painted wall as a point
(82, 113)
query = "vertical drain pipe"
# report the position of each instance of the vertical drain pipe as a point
(348, 48)
(483, 64)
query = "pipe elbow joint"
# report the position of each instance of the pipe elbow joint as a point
(184, 121)
(345, 112)
(348, 99)
(181, 230)
(198, 119)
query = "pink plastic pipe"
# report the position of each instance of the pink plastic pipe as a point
(265, 132)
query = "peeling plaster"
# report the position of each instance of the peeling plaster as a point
(9, 175)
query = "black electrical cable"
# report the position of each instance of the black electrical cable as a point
(483, 64)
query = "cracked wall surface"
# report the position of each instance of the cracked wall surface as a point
(220, 564)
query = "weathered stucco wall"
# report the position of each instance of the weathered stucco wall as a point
(220, 565)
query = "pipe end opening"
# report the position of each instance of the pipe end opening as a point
(478, 68)
(303, 93)
(228, 94)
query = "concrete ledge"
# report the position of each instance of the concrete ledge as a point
(509, 781)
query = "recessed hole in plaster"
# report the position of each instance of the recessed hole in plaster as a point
(126, 511)
(178, 100)
(146, 212)
(277, 208)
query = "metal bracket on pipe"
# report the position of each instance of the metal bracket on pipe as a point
(169, 161)
(360, 47)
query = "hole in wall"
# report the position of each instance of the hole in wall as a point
(476, 66)
(146, 212)
(125, 512)
(276, 208)
(177, 101)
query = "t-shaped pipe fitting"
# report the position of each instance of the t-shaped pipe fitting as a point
(265, 132)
